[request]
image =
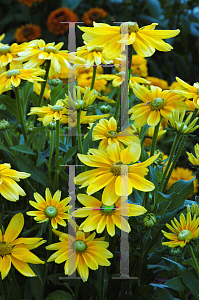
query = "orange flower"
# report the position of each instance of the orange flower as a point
(93, 14)
(27, 33)
(62, 14)
(163, 84)
(29, 2)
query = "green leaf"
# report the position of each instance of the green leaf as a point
(135, 198)
(87, 143)
(41, 139)
(28, 90)
(38, 270)
(10, 104)
(176, 284)
(163, 294)
(23, 148)
(4, 148)
(54, 95)
(154, 179)
(35, 285)
(59, 295)
(70, 153)
(190, 262)
(71, 4)
(33, 133)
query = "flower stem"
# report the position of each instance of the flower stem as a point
(193, 116)
(175, 161)
(52, 138)
(5, 287)
(79, 131)
(154, 140)
(130, 61)
(46, 264)
(194, 259)
(20, 112)
(94, 76)
(43, 86)
(57, 156)
(77, 284)
(173, 149)
(117, 108)
(8, 139)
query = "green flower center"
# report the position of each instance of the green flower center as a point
(57, 107)
(158, 103)
(98, 49)
(5, 248)
(185, 235)
(80, 246)
(49, 49)
(5, 49)
(132, 26)
(51, 211)
(184, 127)
(111, 134)
(107, 210)
(79, 104)
(117, 170)
(12, 73)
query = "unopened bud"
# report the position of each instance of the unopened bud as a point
(175, 251)
(52, 126)
(4, 125)
(105, 109)
(56, 82)
(149, 220)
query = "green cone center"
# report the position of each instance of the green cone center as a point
(107, 210)
(111, 134)
(80, 246)
(157, 103)
(98, 49)
(51, 211)
(49, 49)
(119, 168)
(5, 248)
(13, 73)
(5, 49)
(57, 107)
(185, 235)
(132, 26)
(184, 127)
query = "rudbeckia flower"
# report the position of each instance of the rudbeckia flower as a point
(194, 160)
(106, 131)
(118, 78)
(27, 33)
(100, 215)
(81, 253)
(156, 104)
(9, 189)
(16, 250)
(93, 14)
(183, 232)
(117, 171)
(50, 209)
(145, 40)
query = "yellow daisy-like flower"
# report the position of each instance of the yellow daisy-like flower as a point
(81, 253)
(145, 40)
(13, 77)
(188, 91)
(194, 160)
(183, 174)
(100, 215)
(49, 113)
(84, 80)
(183, 232)
(9, 189)
(115, 172)
(163, 84)
(50, 209)
(92, 57)
(99, 96)
(37, 89)
(156, 103)
(16, 250)
(106, 130)
(118, 78)
(40, 52)
(139, 66)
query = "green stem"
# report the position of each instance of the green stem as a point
(14, 284)
(5, 287)
(57, 156)
(193, 116)
(20, 112)
(130, 62)
(77, 284)
(173, 149)
(194, 259)
(46, 264)
(43, 86)
(94, 76)
(174, 161)
(154, 140)
(117, 108)
(8, 139)
(79, 131)
(52, 138)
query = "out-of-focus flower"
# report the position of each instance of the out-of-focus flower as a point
(93, 14)
(37, 89)
(16, 250)
(182, 232)
(150, 133)
(9, 189)
(139, 66)
(81, 252)
(50, 209)
(57, 19)
(117, 79)
(163, 84)
(145, 40)
(99, 96)
(174, 85)
(85, 79)
(176, 122)
(29, 2)
(194, 210)
(156, 104)
(27, 33)
(194, 160)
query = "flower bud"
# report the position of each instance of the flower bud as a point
(4, 125)
(160, 158)
(56, 82)
(52, 126)
(175, 251)
(149, 220)
(79, 104)
(105, 109)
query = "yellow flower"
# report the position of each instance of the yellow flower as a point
(16, 250)
(81, 253)
(183, 232)
(150, 133)
(49, 113)
(194, 160)
(163, 84)
(115, 172)
(99, 96)
(106, 130)
(9, 189)
(100, 215)
(118, 78)
(156, 103)
(188, 91)
(13, 77)
(183, 174)
(85, 79)
(50, 209)
(194, 210)
(176, 122)
(145, 40)
(139, 66)
(40, 52)
(37, 89)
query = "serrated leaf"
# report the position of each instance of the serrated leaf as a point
(23, 148)
(176, 284)
(59, 295)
